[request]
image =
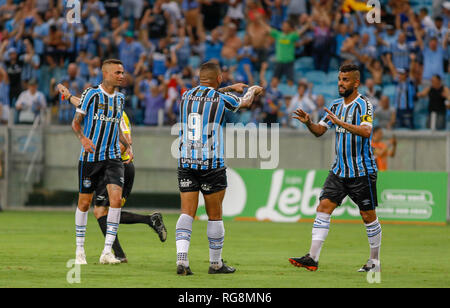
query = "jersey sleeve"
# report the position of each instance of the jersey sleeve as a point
(367, 114)
(85, 100)
(232, 102)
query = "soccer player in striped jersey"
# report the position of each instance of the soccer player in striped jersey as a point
(201, 163)
(100, 113)
(155, 220)
(354, 171)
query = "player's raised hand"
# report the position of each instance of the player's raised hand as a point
(332, 117)
(302, 116)
(63, 91)
(88, 145)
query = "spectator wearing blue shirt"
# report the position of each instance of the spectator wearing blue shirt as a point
(246, 56)
(433, 58)
(4, 96)
(278, 13)
(153, 105)
(401, 50)
(404, 98)
(130, 50)
(30, 62)
(272, 101)
(76, 84)
(213, 47)
(40, 31)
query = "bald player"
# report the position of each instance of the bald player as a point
(201, 161)
(97, 125)
(354, 171)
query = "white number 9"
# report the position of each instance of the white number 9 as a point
(194, 126)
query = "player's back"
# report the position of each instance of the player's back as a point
(354, 154)
(103, 113)
(202, 112)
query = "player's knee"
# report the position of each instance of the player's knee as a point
(368, 216)
(100, 211)
(84, 203)
(326, 206)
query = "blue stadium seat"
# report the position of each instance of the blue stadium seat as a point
(194, 61)
(326, 90)
(316, 77)
(332, 77)
(389, 91)
(334, 64)
(287, 90)
(304, 64)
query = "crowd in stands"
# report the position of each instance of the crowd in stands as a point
(293, 48)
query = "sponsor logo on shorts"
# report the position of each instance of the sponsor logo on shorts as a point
(184, 183)
(122, 180)
(101, 198)
(206, 187)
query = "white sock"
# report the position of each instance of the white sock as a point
(216, 235)
(80, 228)
(183, 238)
(112, 226)
(374, 235)
(320, 230)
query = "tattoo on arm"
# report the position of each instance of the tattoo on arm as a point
(224, 90)
(76, 125)
(123, 139)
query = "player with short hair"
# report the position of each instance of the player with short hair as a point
(201, 163)
(354, 172)
(101, 205)
(100, 113)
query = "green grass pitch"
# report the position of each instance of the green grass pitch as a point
(36, 246)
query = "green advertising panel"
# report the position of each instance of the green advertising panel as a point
(291, 195)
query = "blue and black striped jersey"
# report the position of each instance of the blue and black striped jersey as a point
(103, 113)
(354, 154)
(202, 111)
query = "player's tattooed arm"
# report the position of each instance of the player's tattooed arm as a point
(247, 99)
(237, 87)
(87, 143)
(127, 144)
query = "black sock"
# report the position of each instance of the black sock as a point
(132, 218)
(118, 252)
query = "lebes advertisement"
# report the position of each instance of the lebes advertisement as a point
(283, 195)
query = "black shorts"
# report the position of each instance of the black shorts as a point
(101, 193)
(91, 174)
(206, 181)
(362, 190)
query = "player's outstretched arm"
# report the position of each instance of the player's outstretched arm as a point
(237, 87)
(125, 142)
(316, 129)
(66, 95)
(248, 98)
